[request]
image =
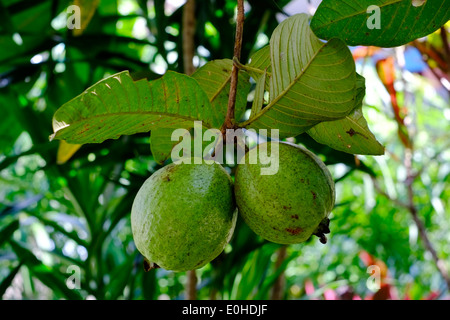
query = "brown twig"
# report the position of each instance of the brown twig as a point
(420, 225)
(278, 287)
(410, 178)
(229, 120)
(415, 215)
(191, 285)
(445, 45)
(387, 196)
(188, 32)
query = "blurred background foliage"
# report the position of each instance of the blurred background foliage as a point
(64, 221)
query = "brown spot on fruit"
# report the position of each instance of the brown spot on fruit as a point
(314, 195)
(294, 216)
(294, 231)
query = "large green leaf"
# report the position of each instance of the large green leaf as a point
(161, 144)
(310, 82)
(350, 134)
(6, 282)
(48, 276)
(214, 78)
(400, 21)
(118, 106)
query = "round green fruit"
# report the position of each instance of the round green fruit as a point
(184, 215)
(289, 206)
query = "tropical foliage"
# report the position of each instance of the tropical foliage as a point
(65, 203)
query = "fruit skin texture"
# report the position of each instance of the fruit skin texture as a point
(184, 215)
(289, 206)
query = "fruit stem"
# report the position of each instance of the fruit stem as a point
(229, 122)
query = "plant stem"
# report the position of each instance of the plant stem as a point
(445, 45)
(188, 32)
(188, 36)
(191, 285)
(278, 287)
(229, 120)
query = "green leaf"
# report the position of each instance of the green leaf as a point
(119, 279)
(350, 134)
(24, 254)
(53, 279)
(214, 78)
(118, 106)
(56, 281)
(260, 63)
(259, 69)
(11, 128)
(6, 282)
(400, 21)
(161, 144)
(258, 99)
(311, 81)
(270, 280)
(7, 231)
(88, 9)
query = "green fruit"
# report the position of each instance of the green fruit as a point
(291, 205)
(184, 215)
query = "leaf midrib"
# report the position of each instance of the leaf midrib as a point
(106, 115)
(285, 91)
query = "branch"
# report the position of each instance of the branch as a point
(387, 196)
(278, 287)
(420, 226)
(229, 120)
(188, 30)
(446, 45)
(409, 205)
